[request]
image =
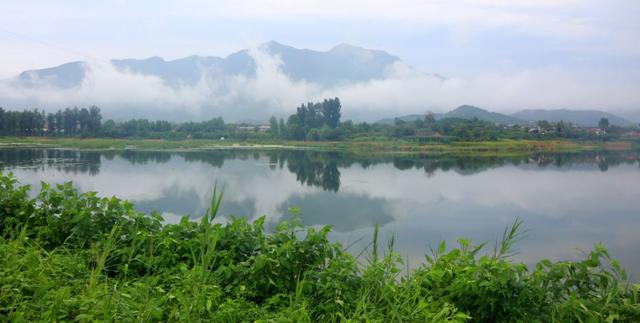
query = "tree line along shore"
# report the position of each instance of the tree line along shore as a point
(312, 122)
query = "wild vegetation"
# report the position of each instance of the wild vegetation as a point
(313, 121)
(66, 255)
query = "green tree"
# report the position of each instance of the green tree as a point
(83, 120)
(109, 129)
(273, 124)
(429, 119)
(331, 112)
(544, 124)
(603, 123)
(95, 119)
(59, 121)
(295, 127)
(282, 128)
(3, 121)
(51, 123)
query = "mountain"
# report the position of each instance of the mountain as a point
(589, 118)
(342, 63)
(463, 112)
(63, 76)
(471, 112)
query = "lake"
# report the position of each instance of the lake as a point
(568, 202)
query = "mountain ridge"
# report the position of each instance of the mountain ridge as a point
(341, 63)
(587, 118)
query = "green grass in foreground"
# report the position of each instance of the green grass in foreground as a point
(68, 256)
(376, 146)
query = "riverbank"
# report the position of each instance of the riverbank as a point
(381, 146)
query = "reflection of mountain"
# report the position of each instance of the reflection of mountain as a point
(343, 212)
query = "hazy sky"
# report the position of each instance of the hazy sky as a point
(566, 47)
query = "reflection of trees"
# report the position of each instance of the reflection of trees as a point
(470, 165)
(432, 163)
(602, 159)
(216, 158)
(145, 157)
(68, 161)
(313, 168)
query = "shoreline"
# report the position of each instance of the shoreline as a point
(500, 147)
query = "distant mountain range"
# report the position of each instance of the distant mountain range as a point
(342, 63)
(587, 118)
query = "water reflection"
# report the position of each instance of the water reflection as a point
(567, 200)
(37, 160)
(319, 169)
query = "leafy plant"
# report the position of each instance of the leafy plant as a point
(70, 256)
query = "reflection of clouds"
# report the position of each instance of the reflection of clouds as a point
(343, 211)
(565, 208)
(551, 192)
(242, 180)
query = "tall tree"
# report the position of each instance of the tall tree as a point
(59, 120)
(273, 126)
(3, 121)
(51, 123)
(282, 128)
(331, 112)
(603, 123)
(95, 119)
(83, 120)
(429, 119)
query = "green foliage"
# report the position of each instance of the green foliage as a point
(71, 256)
(68, 122)
(314, 121)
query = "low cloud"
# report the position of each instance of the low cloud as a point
(404, 90)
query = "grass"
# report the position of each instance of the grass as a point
(501, 147)
(67, 256)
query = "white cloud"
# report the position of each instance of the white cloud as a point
(270, 92)
(549, 37)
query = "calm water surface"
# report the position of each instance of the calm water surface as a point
(567, 201)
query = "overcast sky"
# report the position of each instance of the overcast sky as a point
(527, 42)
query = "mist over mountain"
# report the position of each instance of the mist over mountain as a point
(273, 79)
(250, 84)
(343, 63)
(63, 76)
